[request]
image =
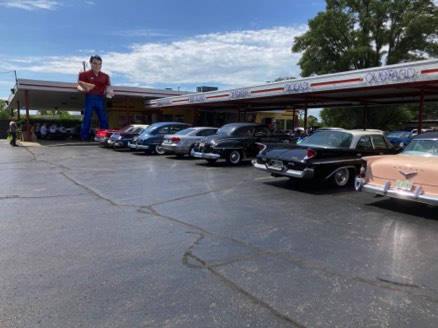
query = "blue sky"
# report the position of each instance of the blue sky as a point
(153, 43)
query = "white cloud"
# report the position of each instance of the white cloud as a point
(31, 4)
(232, 59)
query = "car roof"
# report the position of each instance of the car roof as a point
(353, 132)
(202, 127)
(427, 135)
(239, 124)
(158, 124)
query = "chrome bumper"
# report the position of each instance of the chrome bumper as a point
(416, 195)
(142, 147)
(135, 146)
(205, 155)
(305, 174)
(117, 144)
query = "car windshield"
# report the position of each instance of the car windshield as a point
(330, 139)
(184, 132)
(147, 130)
(138, 130)
(226, 129)
(422, 147)
(398, 134)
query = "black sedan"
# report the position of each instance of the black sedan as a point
(333, 154)
(236, 142)
(120, 140)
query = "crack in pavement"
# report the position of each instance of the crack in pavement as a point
(193, 261)
(149, 209)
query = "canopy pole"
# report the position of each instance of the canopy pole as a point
(28, 138)
(18, 110)
(420, 112)
(365, 117)
(305, 116)
(294, 121)
(127, 110)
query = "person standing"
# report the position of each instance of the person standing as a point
(13, 130)
(43, 131)
(95, 84)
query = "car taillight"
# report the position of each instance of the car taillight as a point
(175, 139)
(261, 147)
(310, 153)
(362, 170)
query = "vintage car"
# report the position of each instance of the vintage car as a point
(399, 138)
(327, 154)
(152, 137)
(181, 143)
(411, 175)
(120, 140)
(103, 135)
(236, 142)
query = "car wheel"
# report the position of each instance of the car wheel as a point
(190, 151)
(159, 150)
(234, 157)
(341, 177)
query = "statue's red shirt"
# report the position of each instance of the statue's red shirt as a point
(101, 80)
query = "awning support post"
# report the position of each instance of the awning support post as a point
(28, 138)
(420, 112)
(18, 110)
(365, 117)
(127, 110)
(305, 116)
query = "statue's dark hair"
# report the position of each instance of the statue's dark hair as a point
(95, 57)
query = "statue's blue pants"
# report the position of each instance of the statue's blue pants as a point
(93, 102)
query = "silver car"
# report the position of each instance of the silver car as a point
(181, 143)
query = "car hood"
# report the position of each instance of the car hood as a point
(422, 169)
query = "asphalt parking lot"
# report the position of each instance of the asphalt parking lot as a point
(92, 237)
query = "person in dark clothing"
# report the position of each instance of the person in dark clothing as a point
(13, 131)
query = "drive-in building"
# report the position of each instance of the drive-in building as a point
(414, 82)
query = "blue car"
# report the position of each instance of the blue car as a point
(152, 137)
(399, 138)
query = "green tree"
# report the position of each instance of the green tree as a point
(385, 118)
(4, 113)
(358, 34)
(61, 114)
(311, 120)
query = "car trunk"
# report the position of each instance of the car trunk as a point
(401, 167)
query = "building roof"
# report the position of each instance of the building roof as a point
(392, 84)
(52, 95)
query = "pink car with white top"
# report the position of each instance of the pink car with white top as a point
(411, 174)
